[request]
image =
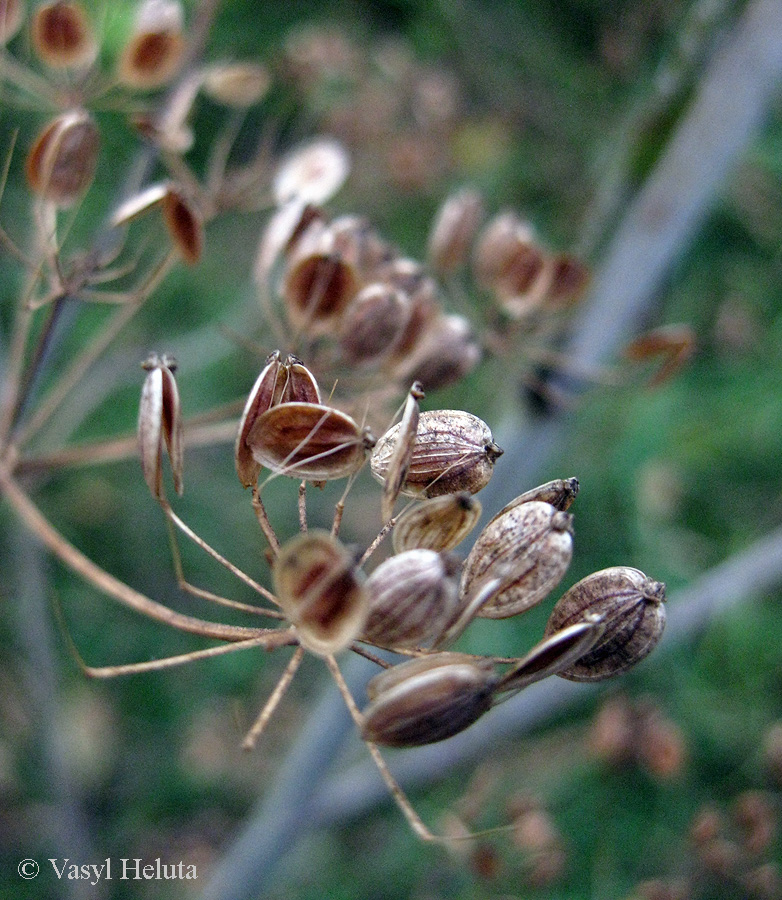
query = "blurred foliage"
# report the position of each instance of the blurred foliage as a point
(565, 112)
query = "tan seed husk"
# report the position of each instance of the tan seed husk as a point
(437, 524)
(402, 454)
(240, 85)
(632, 607)
(528, 549)
(559, 493)
(159, 423)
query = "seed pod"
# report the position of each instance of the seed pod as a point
(631, 606)
(437, 524)
(159, 420)
(308, 440)
(285, 226)
(300, 385)
(453, 452)
(152, 56)
(312, 173)
(559, 493)
(414, 597)
(410, 277)
(360, 244)
(445, 353)
(184, 224)
(61, 164)
(239, 85)
(61, 35)
(553, 654)
(454, 229)
(402, 454)
(11, 19)
(528, 550)
(428, 699)
(569, 280)
(321, 591)
(373, 322)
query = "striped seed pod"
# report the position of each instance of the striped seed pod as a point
(160, 423)
(437, 524)
(527, 550)
(631, 607)
(428, 699)
(454, 451)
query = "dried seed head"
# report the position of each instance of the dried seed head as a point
(359, 243)
(265, 393)
(308, 440)
(559, 493)
(61, 164)
(527, 550)
(372, 323)
(496, 247)
(154, 52)
(184, 224)
(445, 353)
(240, 85)
(437, 524)
(11, 19)
(453, 452)
(414, 597)
(62, 36)
(312, 173)
(631, 606)
(159, 421)
(402, 453)
(285, 226)
(454, 229)
(321, 591)
(299, 385)
(421, 289)
(569, 280)
(427, 699)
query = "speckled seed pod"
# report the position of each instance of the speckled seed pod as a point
(437, 524)
(631, 606)
(413, 598)
(160, 423)
(321, 591)
(559, 493)
(309, 440)
(428, 699)
(528, 549)
(61, 163)
(453, 452)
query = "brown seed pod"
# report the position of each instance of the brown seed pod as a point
(62, 36)
(454, 229)
(414, 597)
(428, 699)
(61, 164)
(240, 84)
(284, 228)
(437, 524)
(559, 493)
(184, 224)
(321, 591)
(308, 440)
(453, 452)
(631, 606)
(372, 323)
(411, 278)
(445, 353)
(154, 52)
(159, 421)
(402, 454)
(11, 19)
(569, 280)
(528, 550)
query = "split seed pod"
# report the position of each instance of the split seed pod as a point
(62, 36)
(631, 607)
(309, 440)
(437, 524)
(528, 550)
(453, 452)
(428, 699)
(321, 591)
(61, 164)
(414, 597)
(152, 56)
(159, 421)
(402, 454)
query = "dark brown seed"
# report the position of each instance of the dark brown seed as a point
(265, 393)
(184, 224)
(631, 606)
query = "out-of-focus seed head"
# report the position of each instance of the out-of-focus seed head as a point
(445, 353)
(428, 699)
(159, 422)
(309, 441)
(184, 224)
(61, 163)
(360, 244)
(454, 230)
(372, 323)
(321, 591)
(153, 54)
(631, 607)
(285, 226)
(437, 524)
(11, 18)
(402, 454)
(62, 36)
(410, 277)
(559, 493)
(569, 280)
(312, 173)
(240, 84)
(454, 451)
(496, 247)
(413, 598)
(527, 550)
(139, 204)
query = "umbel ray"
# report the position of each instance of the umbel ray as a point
(327, 598)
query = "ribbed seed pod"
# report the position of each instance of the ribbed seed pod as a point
(308, 440)
(453, 452)
(159, 423)
(631, 607)
(559, 493)
(413, 598)
(454, 229)
(321, 591)
(437, 524)
(428, 699)
(528, 550)
(61, 163)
